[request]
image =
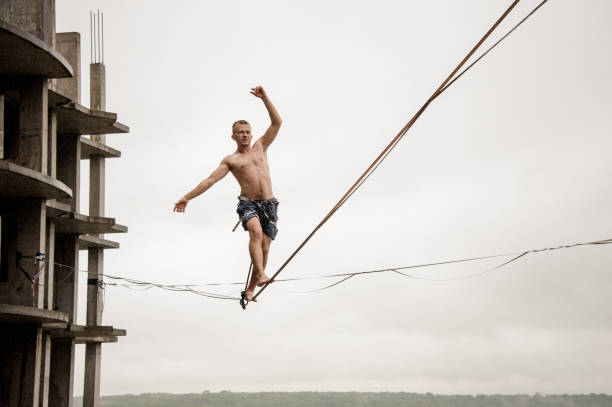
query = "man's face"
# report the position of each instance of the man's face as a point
(242, 135)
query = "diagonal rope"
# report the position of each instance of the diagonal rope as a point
(393, 142)
(452, 82)
(494, 45)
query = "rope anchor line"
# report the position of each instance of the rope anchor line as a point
(38, 258)
(381, 157)
(130, 283)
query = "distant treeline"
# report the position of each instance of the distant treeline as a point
(350, 399)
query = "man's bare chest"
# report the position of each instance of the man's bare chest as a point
(252, 161)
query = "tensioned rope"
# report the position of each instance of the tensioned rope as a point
(41, 258)
(517, 255)
(189, 288)
(448, 85)
(396, 139)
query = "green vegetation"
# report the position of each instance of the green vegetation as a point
(351, 399)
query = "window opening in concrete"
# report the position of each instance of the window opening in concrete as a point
(10, 126)
(8, 234)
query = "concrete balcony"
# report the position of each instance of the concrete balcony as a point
(70, 222)
(23, 54)
(87, 242)
(76, 119)
(88, 334)
(90, 148)
(58, 95)
(10, 314)
(21, 182)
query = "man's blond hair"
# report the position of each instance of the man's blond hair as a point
(237, 123)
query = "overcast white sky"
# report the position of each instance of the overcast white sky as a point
(515, 156)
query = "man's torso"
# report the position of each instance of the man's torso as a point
(252, 172)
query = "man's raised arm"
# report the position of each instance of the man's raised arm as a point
(275, 118)
(216, 175)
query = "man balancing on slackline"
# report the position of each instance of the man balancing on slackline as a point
(257, 207)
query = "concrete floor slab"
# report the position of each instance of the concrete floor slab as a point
(21, 182)
(88, 241)
(90, 334)
(77, 119)
(67, 221)
(91, 148)
(23, 54)
(21, 314)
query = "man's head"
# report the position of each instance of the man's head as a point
(241, 133)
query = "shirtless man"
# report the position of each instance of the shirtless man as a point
(257, 206)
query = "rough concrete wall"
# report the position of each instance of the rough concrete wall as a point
(24, 232)
(20, 353)
(69, 167)
(66, 290)
(52, 144)
(34, 16)
(61, 376)
(11, 125)
(97, 93)
(1, 127)
(33, 122)
(69, 45)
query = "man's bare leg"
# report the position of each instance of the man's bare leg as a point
(256, 245)
(265, 249)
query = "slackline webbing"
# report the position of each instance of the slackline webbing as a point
(390, 146)
(190, 288)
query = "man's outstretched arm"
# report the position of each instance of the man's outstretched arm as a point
(216, 175)
(275, 118)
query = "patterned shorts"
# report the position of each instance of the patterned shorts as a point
(266, 210)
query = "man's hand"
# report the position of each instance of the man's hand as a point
(180, 205)
(275, 118)
(259, 92)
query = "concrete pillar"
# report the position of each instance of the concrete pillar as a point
(52, 144)
(11, 128)
(69, 45)
(95, 258)
(1, 126)
(66, 278)
(95, 265)
(33, 122)
(69, 166)
(97, 175)
(34, 16)
(97, 94)
(61, 384)
(93, 351)
(45, 370)
(50, 275)
(9, 276)
(93, 359)
(20, 361)
(3, 262)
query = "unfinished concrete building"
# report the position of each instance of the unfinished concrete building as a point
(43, 229)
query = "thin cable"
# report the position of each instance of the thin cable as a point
(146, 285)
(463, 277)
(374, 271)
(396, 269)
(318, 289)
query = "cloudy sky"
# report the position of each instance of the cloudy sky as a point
(515, 156)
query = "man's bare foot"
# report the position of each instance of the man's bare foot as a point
(264, 280)
(249, 295)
